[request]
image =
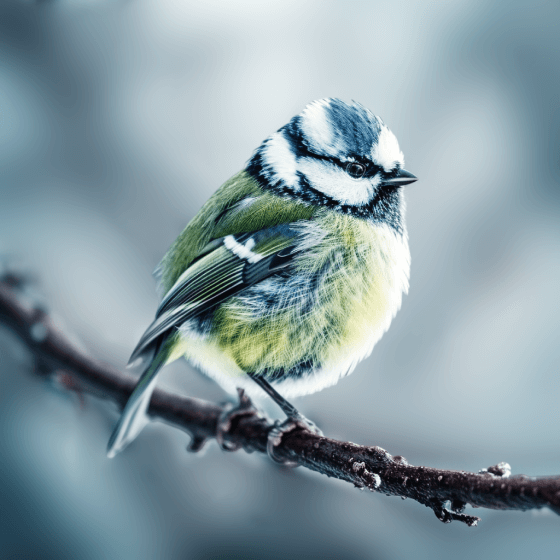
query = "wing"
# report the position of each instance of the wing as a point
(225, 267)
(238, 206)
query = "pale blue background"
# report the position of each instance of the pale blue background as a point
(119, 119)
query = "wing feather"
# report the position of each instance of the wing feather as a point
(225, 269)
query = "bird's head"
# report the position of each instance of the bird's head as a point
(337, 155)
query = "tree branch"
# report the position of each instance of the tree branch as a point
(445, 492)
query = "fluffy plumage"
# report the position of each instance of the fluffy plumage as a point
(293, 269)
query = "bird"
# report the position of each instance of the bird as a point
(292, 270)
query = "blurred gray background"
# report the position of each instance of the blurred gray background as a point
(119, 119)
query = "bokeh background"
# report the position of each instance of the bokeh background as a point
(119, 118)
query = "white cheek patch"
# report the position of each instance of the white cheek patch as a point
(336, 183)
(386, 153)
(279, 161)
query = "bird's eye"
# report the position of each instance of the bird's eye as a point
(355, 170)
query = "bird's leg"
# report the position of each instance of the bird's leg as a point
(287, 408)
(295, 420)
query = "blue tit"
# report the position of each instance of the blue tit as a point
(292, 271)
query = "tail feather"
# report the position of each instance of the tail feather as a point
(134, 418)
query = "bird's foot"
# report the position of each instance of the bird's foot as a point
(279, 430)
(231, 416)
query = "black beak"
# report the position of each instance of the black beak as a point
(402, 178)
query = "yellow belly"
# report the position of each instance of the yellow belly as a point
(355, 304)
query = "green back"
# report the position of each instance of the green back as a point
(220, 217)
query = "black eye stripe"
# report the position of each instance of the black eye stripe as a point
(369, 169)
(299, 146)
